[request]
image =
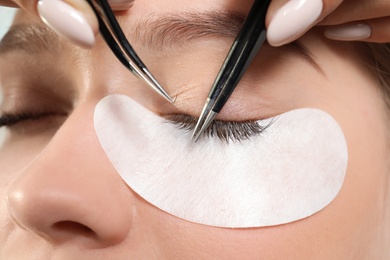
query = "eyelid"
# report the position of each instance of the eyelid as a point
(224, 130)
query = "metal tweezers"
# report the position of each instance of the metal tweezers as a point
(116, 40)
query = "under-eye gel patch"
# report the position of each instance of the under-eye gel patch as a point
(291, 171)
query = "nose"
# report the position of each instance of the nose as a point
(71, 194)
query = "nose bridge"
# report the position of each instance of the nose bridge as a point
(70, 192)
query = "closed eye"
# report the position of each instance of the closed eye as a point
(12, 119)
(9, 119)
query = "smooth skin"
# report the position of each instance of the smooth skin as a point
(62, 199)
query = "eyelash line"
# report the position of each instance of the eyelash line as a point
(10, 119)
(226, 131)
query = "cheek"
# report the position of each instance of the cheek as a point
(292, 171)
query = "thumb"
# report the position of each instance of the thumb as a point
(73, 19)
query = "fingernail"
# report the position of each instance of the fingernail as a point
(293, 20)
(120, 5)
(66, 21)
(348, 32)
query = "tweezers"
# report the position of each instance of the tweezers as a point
(244, 49)
(116, 40)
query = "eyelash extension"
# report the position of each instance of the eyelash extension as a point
(9, 119)
(225, 130)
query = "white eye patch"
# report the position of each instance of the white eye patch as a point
(291, 171)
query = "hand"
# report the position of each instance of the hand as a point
(349, 20)
(73, 19)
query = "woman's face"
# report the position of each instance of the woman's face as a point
(62, 197)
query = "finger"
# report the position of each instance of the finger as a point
(374, 30)
(288, 20)
(352, 10)
(8, 3)
(120, 5)
(73, 19)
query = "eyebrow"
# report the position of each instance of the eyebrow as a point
(177, 29)
(156, 32)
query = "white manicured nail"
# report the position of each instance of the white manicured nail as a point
(66, 21)
(348, 32)
(293, 20)
(120, 5)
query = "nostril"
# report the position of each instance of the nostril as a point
(73, 228)
(62, 211)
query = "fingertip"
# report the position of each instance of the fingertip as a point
(292, 20)
(349, 32)
(83, 7)
(121, 5)
(67, 21)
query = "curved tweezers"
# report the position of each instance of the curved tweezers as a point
(116, 40)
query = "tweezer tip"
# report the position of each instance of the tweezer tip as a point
(209, 119)
(195, 136)
(201, 119)
(168, 97)
(157, 87)
(205, 119)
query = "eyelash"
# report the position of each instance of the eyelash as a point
(9, 119)
(224, 130)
